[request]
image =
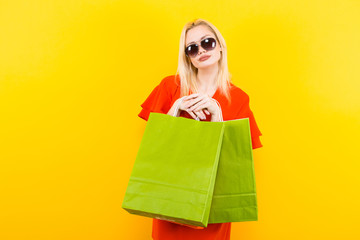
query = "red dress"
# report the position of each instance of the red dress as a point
(160, 100)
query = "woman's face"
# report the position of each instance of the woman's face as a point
(196, 34)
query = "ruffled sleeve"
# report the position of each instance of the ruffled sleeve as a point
(158, 101)
(245, 112)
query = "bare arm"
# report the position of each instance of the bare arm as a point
(172, 109)
(215, 118)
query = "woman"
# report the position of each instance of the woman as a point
(202, 81)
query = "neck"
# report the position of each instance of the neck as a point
(206, 77)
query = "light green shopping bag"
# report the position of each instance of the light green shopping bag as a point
(234, 197)
(193, 172)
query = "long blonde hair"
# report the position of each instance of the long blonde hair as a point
(187, 72)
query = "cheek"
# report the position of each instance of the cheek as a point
(194, 63)
(217, 55)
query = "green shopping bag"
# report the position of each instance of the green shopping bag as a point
(234, 197)
(193, 172)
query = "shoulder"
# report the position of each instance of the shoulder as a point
(170, 83)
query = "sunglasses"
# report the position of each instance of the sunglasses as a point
(208, 44)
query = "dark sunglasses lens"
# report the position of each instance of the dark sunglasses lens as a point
(208, 44)
(192, 50)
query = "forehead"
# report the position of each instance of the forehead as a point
(196, 33)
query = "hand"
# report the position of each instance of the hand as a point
(184, 107)
(195, 103)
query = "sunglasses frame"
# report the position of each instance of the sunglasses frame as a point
(202, 42)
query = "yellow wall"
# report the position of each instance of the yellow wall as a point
(74, 73)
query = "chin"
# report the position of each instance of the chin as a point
(205, 64)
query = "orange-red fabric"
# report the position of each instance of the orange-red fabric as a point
(160, 100)
(165, 94)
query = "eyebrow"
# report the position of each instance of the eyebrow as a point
(200, 39)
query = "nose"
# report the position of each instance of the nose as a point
(201, 50)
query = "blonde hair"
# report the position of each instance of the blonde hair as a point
(187, 72)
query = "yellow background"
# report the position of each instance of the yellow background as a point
(74, 73)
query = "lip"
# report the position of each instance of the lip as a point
(203, 58)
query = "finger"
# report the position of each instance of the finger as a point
(192, 114)
(199, 105)
(190, 103)
(198, 115)
(194, 95)
(201, 114)
(206, 111)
